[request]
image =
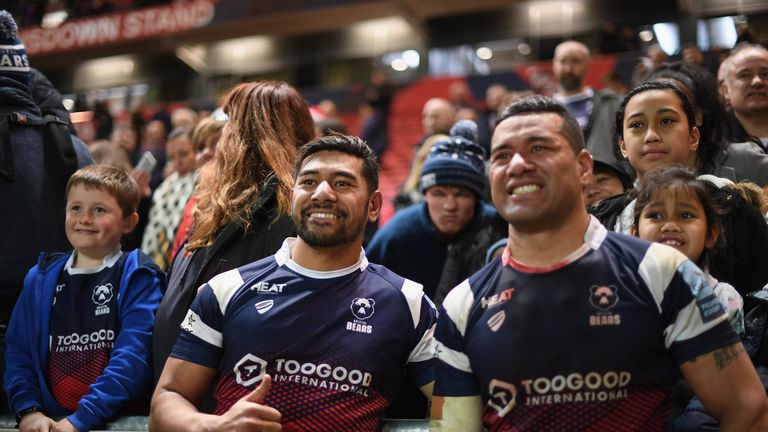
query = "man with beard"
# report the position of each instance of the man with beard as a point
(294, 340)
(594, 110)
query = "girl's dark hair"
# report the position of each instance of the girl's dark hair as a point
(670, 178)
(663, 85)
(710, 112)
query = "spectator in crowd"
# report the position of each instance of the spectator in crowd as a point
(155, 136)
(184, 117)
(124, 137)
(102, 120)
(437, 117)
(33, 175)
(321, 296)
(419, 241)
(243, 202)
(460, 95)
(205, 139)
(495, 95)
(656, 126)
(170, 197)
(607, 181)
(692, 55)
(746, 90)
(593, 110)
(107, 153)
(539, 315)
(79, 338)
(374, 128)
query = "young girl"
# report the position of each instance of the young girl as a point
(675, 208)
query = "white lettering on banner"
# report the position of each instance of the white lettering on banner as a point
(103, 30)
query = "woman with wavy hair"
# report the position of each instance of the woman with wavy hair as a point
(243, 208)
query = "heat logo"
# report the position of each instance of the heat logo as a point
(497, 299)
(268, 288)
(101, 295)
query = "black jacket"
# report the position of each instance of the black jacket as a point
(232, 248)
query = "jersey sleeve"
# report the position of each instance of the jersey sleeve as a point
(200, 340)
(694, 320)
(420, 368)
(454, 375)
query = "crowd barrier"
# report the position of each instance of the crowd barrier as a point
(132, 424)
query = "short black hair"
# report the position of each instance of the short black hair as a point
(542, 104)
(350, 145)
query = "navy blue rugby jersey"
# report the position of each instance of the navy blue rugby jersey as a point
(336, 344)
(83, 327)
(594, 342)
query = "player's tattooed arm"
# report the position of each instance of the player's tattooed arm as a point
(727, 384)
(723, 356)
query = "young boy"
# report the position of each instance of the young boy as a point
(79, 337)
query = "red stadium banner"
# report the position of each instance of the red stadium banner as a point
(109, 29)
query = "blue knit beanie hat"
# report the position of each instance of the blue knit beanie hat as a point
(13, 55)
(456, 161)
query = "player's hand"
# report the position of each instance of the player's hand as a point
(36, 422)
(248, 414)
(63, 425)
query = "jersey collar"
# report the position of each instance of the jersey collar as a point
(593, 238)
(283, 258)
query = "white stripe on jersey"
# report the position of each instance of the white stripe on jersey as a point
(657, 269)
(195, 325)
(413, 293)
(457, 359)
(457, 305)
(224, 286)
(425, 349)
(688, 322)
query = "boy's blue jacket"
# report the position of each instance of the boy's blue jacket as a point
(128, 374)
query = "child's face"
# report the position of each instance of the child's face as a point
(604, 184)
(95, 222)
(181, 153)
(656, 132)
(676, 218)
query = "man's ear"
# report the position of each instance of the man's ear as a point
(585, 165)
(374, 206)
(129, 222)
